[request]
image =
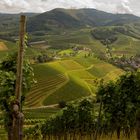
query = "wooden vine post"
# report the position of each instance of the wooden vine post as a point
(18, 116)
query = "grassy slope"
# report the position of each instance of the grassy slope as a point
(83, 38)
(126, 45)
(72, 89)
(69, 79)
(77, 73)
(99, 68)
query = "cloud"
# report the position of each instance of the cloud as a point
(124, 7)
(114, 6)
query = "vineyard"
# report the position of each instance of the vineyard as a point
(68, 81)
(73, 76)
(60, 80)
(71, 123)
(43, 89)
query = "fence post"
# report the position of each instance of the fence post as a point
(18, 116)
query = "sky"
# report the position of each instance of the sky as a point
(38, 6)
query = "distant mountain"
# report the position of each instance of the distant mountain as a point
(9, 22)
(9, 25)
(76, 18)
(57, 19)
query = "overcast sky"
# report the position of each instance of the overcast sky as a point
(113, 6)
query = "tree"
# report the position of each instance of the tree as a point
(7, 86)
(75, 119)
(121, 100)
(62, 104)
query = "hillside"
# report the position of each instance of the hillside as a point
(9, 25)
(66, 18)
(67, 28)
(68, 80)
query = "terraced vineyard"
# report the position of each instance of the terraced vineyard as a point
(70, 65)
(54, 81)
(100, 69)
(67, 80)
(43, 89)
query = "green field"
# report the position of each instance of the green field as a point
(67, 39)
(68, 80)
(126, 45)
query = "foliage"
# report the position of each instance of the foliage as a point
(75, 118)
(62, 104)
(7, 83)
(105, 35)
(121, 100)
(42, 58)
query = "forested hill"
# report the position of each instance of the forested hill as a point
(66, 18)
(9, 23)
(71, 18)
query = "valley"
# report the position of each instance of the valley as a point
(72, 53)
